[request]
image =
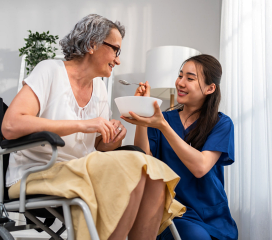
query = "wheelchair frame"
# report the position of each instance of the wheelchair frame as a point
(50, 202)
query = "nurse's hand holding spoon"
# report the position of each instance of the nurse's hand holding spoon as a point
(143, 90)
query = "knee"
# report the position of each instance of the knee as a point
(155, 192)
(157, 186)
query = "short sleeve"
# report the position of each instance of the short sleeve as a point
(221, 139)
(40, 80)
(154, 141)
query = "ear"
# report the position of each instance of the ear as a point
(210, 89)
(92, 49)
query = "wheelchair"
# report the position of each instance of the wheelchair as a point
(35, 206)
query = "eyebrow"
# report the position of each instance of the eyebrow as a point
(189, 73)
(116, 45)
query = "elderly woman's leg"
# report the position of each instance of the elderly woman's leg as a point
(129, 216)
(143, 215)
(147, 223)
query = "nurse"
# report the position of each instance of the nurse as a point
(196, 141)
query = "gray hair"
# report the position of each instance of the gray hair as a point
(89, 31)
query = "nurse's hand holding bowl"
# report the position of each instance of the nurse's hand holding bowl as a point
(196, 141)
(156, 120)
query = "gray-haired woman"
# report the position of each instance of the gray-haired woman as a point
(128, 192)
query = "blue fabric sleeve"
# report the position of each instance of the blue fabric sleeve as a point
(154, 141)
(221, 139)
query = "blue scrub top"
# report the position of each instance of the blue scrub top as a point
(205, 198)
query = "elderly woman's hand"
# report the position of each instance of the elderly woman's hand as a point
(143, 90)
(120, 130)
(156, 121)
(100, 125)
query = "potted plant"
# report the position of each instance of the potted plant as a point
(38, 47)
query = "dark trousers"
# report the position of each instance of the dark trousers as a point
(130, 148)
(187, 231)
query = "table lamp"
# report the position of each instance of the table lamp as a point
(162, 69)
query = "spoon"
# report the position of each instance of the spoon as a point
(127, 83)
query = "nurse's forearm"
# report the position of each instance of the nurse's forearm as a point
(199, 163)
(141, 139)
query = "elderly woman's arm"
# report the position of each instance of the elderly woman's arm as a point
(104, 147)
(21, 119)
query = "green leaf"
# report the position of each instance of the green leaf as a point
(37, 52)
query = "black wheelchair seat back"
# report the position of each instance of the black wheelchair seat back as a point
(3, 109)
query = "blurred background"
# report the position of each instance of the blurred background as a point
(149, 24)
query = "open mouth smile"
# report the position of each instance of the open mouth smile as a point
(111, 66)
(182, 93)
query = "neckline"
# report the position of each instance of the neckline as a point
(189, 127)
(67, 77)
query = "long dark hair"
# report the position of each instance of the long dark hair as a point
(208, 113)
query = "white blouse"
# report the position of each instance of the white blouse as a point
(49, 81)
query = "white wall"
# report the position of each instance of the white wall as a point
(149, 23)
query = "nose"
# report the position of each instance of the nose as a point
(117, 61)
(180, 82)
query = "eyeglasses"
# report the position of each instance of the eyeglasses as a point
(117, 50)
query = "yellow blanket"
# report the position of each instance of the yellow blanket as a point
(104, 180)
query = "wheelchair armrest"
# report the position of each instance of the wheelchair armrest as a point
(29, 141)
(52, 138)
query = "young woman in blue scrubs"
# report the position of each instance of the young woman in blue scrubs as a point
(196, 141)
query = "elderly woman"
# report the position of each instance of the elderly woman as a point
(128, 192)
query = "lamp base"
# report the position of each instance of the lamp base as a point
(172, 100)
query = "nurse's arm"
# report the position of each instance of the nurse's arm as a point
(141, 139)
(199, 163)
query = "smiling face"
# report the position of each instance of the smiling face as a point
(191, 87)
(104, 58)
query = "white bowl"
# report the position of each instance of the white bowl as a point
(142, 106)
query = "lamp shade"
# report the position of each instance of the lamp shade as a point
(162, 68)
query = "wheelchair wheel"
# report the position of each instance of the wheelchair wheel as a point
(4, 234)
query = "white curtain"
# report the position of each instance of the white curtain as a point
(246, 58)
